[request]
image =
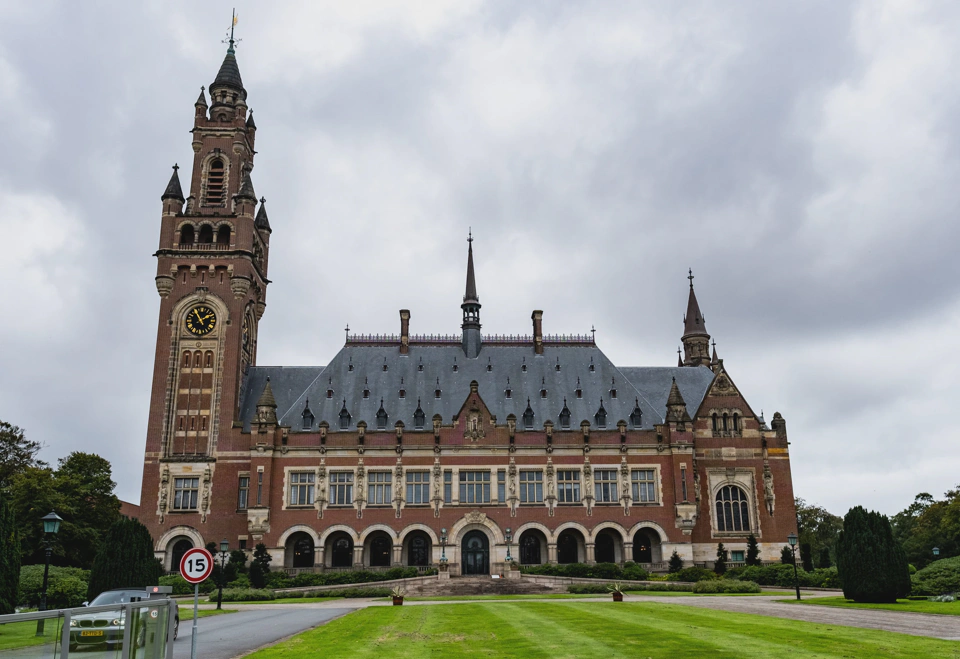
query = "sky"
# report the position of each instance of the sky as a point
(801, 158)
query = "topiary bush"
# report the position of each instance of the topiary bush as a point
(938, 578)
(870, 560)
(633, 572)
(726, 586)
(676, 563)
(693, 574)
(66, 586)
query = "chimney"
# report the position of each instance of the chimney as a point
(404, 331)
(537, 332)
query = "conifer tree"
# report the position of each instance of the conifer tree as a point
(806, 560)
(720, 566)
(9, 559)
(676, 563)
(125, 559)
(753, 551)
(825, 557)
(786, 555)
(870, 561)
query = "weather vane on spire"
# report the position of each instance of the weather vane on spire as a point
(690, 277)
(470, 235)
(230, 39)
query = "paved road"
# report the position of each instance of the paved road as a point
(233, 634)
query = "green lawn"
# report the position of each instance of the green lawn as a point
(910, 606)
(590, 629)
(186, 612)
(677, 593)
(23, 634)
(459, 598)
(291, 600)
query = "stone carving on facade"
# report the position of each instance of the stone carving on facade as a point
(512, 499)
(437, 487)
(475, 517)
(164, 285)
(551, 497)
(240, 286)
(588, 486)
(768, 495)
(398, 487)
(625, 486)
(473, 429)
(321, 497)
(164, 492)
(258, 522)
(359, 498)
(205, 496)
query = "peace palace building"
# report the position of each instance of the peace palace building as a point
(407, 448)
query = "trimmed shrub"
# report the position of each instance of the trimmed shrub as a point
(125, 559)
(181, 587)
(279, 580)
(870, 561)
(71, 593)
(693, 575)
(242, 581)
(753, 551)
(676, 563)
(786, 555)
(588, 589)
(726, 586)
(666, 587)
(720, 565)
(245, 595)
(938, 578)
(633, 572)
(607, 571)
(630, 572)
(782, 576)
(824, 560)
(257, 575)
(383, 591)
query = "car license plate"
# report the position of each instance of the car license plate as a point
(96, 632)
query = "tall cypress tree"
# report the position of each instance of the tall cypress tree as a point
(9, 559)
(870, 561)
(753, 551)
(125, 559)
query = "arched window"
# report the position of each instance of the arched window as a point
(197, 359)
(186, 235)
(528, 417)
(186, 359)
(716, 422)
(223, 235)
(725, 427)
(565, 416)
(215, 183)
(736, 422)
(206, 234)
(733, 513)
(418, 417)
(209, 363)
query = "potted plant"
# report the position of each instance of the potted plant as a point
(617, 591)
(397, 594)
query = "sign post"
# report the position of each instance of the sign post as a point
(195, 566)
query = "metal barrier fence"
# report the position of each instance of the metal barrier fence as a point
(133, 630)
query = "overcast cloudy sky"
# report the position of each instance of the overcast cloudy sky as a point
(802, 158)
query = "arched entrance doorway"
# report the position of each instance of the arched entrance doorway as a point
(646, 547)
(180, 547)
(300, 550)
(475, 552)
(604, 547)
(532, 545)
(568, 546)
(341, 550)
(418, 549)
(380, 548)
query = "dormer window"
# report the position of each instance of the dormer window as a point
(508, 393)
(601, 416)
(403, 393)
(636, 416)
(592, 367)
(420, 365)
(523, 367)
(384, 366)
(329, 393)
(557, 367)
(344, 416)
(381, 417)
(216, 189)
(307, 415)
(455, 368)
(528, 417)
(565, 416)
(366, 394)
(613, 393)
(350, 367)
(418, 417)
(436, 394)
(489, 366)
(543, 393)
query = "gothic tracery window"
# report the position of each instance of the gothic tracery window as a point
(733, 513)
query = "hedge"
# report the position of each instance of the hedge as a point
(693, 575)
(726, 586)
(594, 588)
(629, 572)
(245, 595)
(66, 586)
(938, 578)
(265, 595)
(782, 575)
(282, 580)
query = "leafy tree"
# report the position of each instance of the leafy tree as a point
(871, 562)
(753, 551)
(17, 453)
(676, 563)
(786, 555)
(817, 527)
(720, 566)
(929, 523)
(806, 560)
(824, 557)
(9, 559)
(125, 559)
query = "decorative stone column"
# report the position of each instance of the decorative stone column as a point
(358, 556)
(318, 557)
(627, 552)
(398, 555)
(552, 553)
(590, 558)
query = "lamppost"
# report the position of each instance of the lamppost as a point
(508, 537)
(51, 525)
(224, 553)
(792, 539)
(443, 549)
(936, 551)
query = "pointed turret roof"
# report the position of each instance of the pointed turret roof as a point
(676, 406)
(675, 398)
(246, 188)
(471, 293)
(266, 398)
(173, 191)
(229, 74)
(250, 122)
(693, 322)
(202, 99)
(714, 361)
(679, 357)
(261, 221)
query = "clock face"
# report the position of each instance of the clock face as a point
(201, 320)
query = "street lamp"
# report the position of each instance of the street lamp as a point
(51, 525)
(224, 552)
(443, 546)
(508, 537)
(792, 539)
(936, 551)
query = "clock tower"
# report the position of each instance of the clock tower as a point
(212, 281)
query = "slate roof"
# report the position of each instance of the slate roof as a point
(173, 189)
(647, 386)
(229, 74)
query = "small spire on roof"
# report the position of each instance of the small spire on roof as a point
(261, 221)
(266, 398)
(679, 357)
(173, 191)
(202, 99)
(246, 188)
(250, 122)
(714, 361)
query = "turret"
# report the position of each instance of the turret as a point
(696, 340)
(172, 197)
(471, 309)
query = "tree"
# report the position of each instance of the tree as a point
(9, 559)
(786, 555)
(929, 523)
(720, 565)
(753, 551)
(817, 527)
(17, 453)
(262, 556)
(824, 557)
(806, 560)
(125, 559)
(676, 563)
(238, 558)
(870, 561)
(258, 578)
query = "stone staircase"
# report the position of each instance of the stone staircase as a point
(482, 586)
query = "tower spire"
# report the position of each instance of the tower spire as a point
(696, 340)
(471, 308)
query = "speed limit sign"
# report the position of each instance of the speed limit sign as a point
(196, 565)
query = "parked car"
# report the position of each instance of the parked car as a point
(106, 627)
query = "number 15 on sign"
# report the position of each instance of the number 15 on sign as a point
(195, 566)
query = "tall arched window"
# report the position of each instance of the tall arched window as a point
(223, 234)
(215, 183)
(186, 235)
(733, 513)
(206, 234)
